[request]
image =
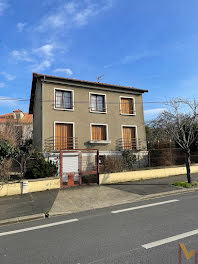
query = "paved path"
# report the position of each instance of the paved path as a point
(144, 232)
(89, 197)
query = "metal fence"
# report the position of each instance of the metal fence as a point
(133, 160)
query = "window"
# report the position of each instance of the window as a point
(64, 136)
(129, 140)
(63, 99)
(127, 106)
(98, 132)
(97, 103)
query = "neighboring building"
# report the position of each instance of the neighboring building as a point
(22, 123)
(70, 114)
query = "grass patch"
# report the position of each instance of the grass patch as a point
(186, 184)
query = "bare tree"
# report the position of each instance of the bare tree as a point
(180, 121)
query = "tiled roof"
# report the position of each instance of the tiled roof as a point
(18, 110)
(27, 118)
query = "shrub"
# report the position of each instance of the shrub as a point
(129, 159)
(112, 164)
(38, 167)
(7, 150)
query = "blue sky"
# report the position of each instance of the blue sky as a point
(147, 44)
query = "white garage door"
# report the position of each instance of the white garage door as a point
(70, 164)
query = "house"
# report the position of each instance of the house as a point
(76, 114)
(22, 124)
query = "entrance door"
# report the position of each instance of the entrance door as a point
(63, 136)
(129, 137)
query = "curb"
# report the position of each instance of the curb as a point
(175, 192)
(21, 219)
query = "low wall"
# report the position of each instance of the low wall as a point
(14, 188)
(136, 175)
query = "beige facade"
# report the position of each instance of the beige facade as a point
(46, 115)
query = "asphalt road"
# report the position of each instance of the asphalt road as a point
(108, 235)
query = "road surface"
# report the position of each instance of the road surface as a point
(143, 232)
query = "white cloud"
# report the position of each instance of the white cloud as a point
(108, 66)
(45, 50)
(41, 57)
(3, 6)
(71, 7)
(8, 101)
(8, 76)
(22, 55)
(20, 26)
(73, 14)
(155, 111)
(42, 66)
(2, 85)
(65, 71)
(139, 56)
(81, 18)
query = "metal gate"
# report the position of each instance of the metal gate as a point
(79, 167)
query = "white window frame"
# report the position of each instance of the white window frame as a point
(134, 110)
(107, 141)
(105, 103)
(136, 133)
(64, 90)
(60, 122)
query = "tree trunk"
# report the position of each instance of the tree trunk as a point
(187, 154)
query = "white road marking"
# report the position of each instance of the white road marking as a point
(170, 239)
(38, 227)
(143, 206)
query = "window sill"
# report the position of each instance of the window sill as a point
(100, 141)
(64, 109)
(128, 114)
(98, 112)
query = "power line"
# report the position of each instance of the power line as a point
(80, 102)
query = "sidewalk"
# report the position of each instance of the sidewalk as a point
(26, 204)
(83, 198)
(152, 186)
(92, 197)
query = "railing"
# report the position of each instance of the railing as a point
(61, 143)
(126, 143)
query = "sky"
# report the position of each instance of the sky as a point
(146, 44)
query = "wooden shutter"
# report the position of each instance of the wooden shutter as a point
(98, 132)
(64, 136)
(126, 105)
(103, 132)
(129, 137)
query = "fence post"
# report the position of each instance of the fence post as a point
(61, 170)
(149, 159)
(98, 167)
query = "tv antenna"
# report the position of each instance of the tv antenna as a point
(100, 77)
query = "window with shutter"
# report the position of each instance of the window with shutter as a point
(127, 106)
(98, 132)
(129, 137)
(63, 136)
